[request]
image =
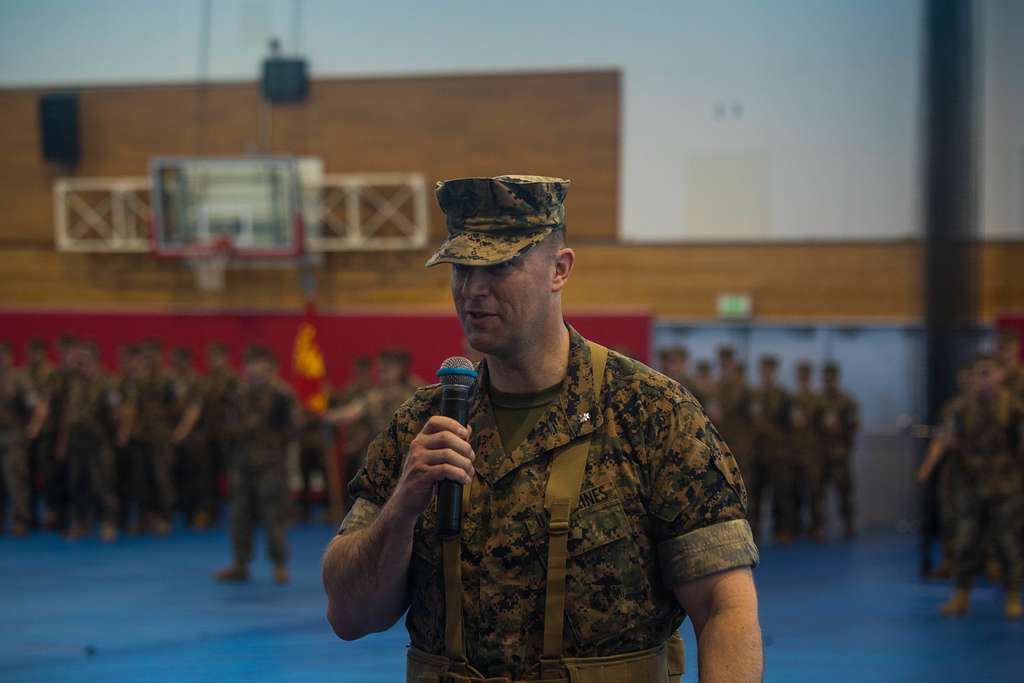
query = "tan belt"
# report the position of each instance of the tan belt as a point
(657, 665)
(664, 663)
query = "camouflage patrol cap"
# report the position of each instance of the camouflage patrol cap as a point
(769, 362)
(492, 220)
(831, 369)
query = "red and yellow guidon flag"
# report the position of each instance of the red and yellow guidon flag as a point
(308, 364)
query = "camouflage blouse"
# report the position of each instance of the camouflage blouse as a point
(662, 503)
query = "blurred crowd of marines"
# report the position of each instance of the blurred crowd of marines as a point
(86, 450)
(975, 461)
(791, 445)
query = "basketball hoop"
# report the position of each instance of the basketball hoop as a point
(208, 261)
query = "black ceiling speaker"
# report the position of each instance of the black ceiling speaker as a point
(58, 128)
(285, 80)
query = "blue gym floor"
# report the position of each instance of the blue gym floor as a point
(146, 609)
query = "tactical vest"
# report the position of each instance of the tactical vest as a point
(662, 664)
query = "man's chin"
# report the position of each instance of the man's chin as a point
(483, 342)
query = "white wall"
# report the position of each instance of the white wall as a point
(743, 119)
(1001, 197)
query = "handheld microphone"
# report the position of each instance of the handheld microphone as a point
(457, 377)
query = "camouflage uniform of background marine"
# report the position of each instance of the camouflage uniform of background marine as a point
(258, 472)
(702, 386)
(220, 391)
(126, 455)
(729, 407)
(839, 422)
(39, 370)
(384, 399)
(313, 447)
(55, 474)
(189, 454)
(153, 401)
(990, 467)
(661, 502)
(89, 423)
(948, 484)
(805, 443)
(774, 455)
(673, 362)
(359, 433)
(18, 399)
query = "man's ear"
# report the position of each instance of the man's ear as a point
(564, 260)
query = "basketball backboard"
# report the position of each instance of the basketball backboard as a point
(253, 202)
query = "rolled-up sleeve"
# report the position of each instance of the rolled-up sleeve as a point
(706, 551)
(360, 515)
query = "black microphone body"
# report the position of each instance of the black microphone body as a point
(458, 378)
(454, 404)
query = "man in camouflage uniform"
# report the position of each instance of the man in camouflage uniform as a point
(804, 418)
(187, 438)
(840, 418)
(703, 383)
(220, 391)
(1008, 352)
(358, 433)
(55, 475)
(600, 505)
(148, 420)
(125, 450)
(39, 369)
(370, 414)
(22, 412)
(264, 422)
(87, 424)
(987, 430)
(675, 364)
(774, 458)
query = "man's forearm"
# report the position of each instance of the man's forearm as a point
(729, 648)
(365, 575)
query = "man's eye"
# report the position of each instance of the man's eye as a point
(503, 267)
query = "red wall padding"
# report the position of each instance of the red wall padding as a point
(342, 336)
(1015, 322)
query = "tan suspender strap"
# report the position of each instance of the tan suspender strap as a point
(560, 499)
(451, 559)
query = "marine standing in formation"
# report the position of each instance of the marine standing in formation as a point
(22, 412)
(263, 422)
(984, 433)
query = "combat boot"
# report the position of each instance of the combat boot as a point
(1012, 609)
(19, 529)
(108, 532)
(201, 522)
(281, 575)
(958, 605)
(161, 527)
(234, 573)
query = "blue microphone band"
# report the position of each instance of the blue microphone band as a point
(465, 372)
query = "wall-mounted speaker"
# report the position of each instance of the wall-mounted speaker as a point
(285, 80)
(58, 128)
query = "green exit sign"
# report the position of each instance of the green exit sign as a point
(735, 306)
